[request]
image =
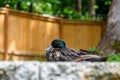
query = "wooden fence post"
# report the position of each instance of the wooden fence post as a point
(6, 33)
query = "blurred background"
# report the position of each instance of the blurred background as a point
(71, 9)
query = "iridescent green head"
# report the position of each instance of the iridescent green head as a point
(58, 43)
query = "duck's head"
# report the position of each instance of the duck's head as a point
(58, 43)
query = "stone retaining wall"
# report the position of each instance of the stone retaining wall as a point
(59, 71)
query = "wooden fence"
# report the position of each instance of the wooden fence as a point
(25, 35)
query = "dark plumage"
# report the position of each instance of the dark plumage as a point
(58, 51)
(58, 44)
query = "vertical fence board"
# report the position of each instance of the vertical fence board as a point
(2, 32)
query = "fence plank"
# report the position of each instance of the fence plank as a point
(2, 32)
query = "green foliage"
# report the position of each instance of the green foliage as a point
(1, 3)
(67, 8)
(67, 11)
(113, 58)
(96, 6)
(103, 7)
(25, 5)
(93, 50)
(86, 16)
(12, 3)
(43, 8)
(107, 2)
(46, 7)
(85, 6)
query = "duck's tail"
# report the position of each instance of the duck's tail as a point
(91, 58)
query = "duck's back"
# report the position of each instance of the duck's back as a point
(63, 54)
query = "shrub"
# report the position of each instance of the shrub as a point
(93, 50)
(113, 58)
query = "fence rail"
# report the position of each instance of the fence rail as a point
(29, 34)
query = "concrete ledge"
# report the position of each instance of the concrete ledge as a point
(59, 71)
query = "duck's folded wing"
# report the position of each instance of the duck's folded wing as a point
(93, 58)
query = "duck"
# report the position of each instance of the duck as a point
(58, 51)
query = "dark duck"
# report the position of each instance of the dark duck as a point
(58, 51)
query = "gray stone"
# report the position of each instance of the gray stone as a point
(31, 70)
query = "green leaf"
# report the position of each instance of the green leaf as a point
(96, 6)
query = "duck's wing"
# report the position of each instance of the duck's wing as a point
(92, 58)
(65, 54)
(72, 54)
